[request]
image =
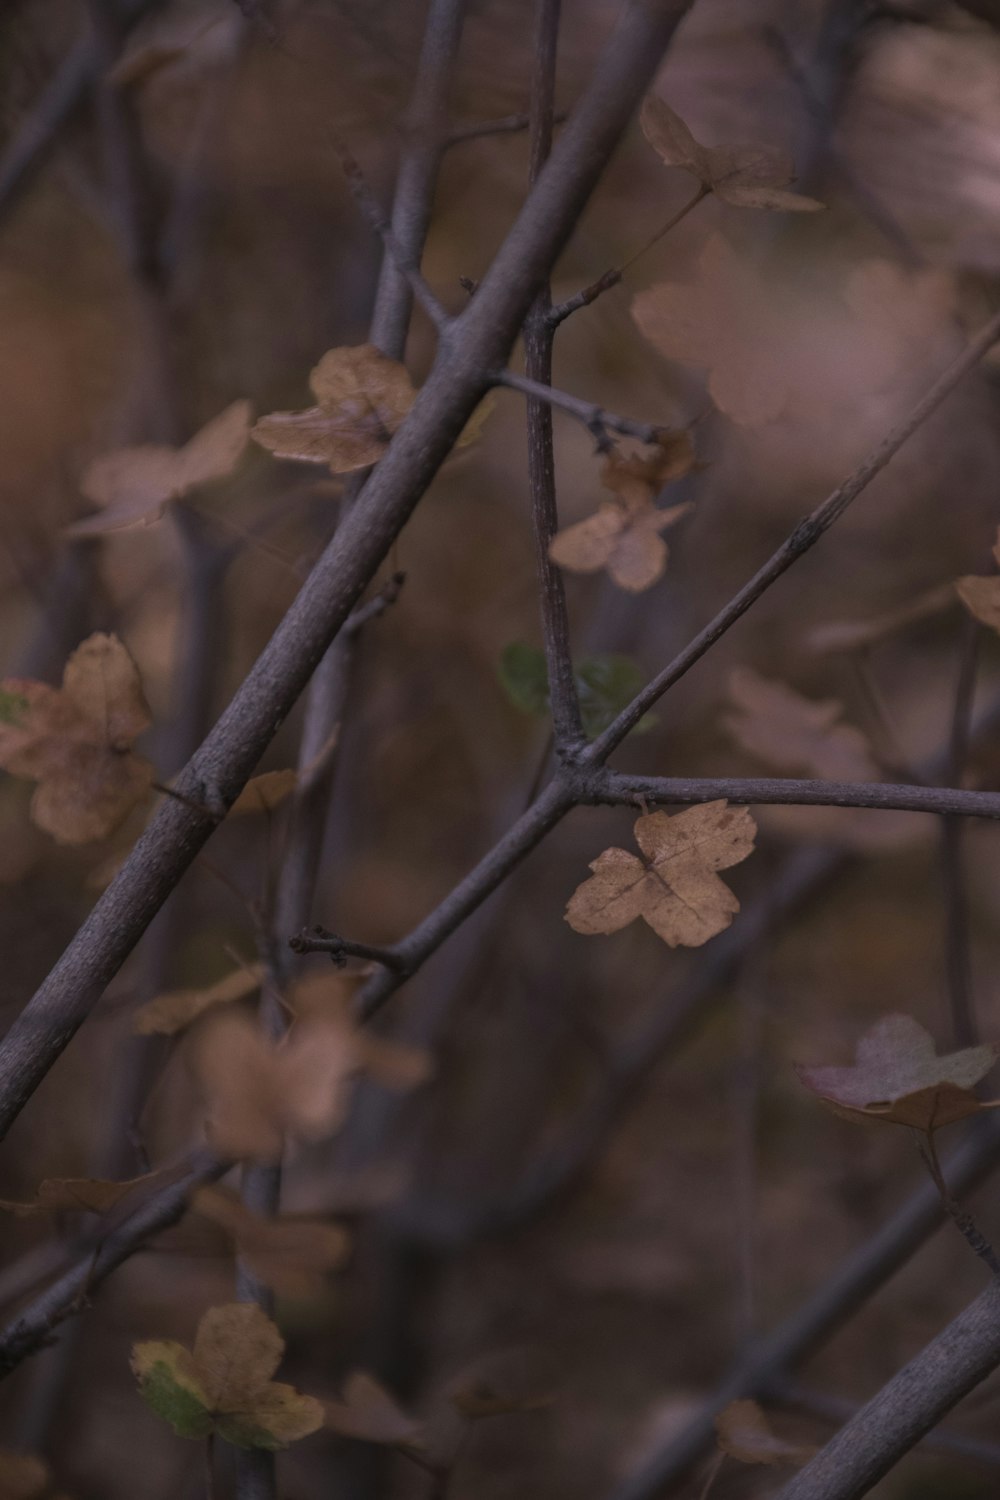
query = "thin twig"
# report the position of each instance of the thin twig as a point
(475, 130)
(595, 418)
(564, 702)
(588, 294)
(801, 540)
(960, 1217)
(318, 940)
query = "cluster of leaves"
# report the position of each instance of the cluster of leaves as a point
(76, 741)
(623, 536)
(605, 684)
(673, 887)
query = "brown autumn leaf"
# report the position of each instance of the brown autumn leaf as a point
(479, 1399)
(674, 888)
(223, 1385)
(76, 741)
(362, 398)
(292, 1255)
(134, 486)
(745, 1434)
(745, 176)
(725, 322)
(93, 1195)
(258, 1091)
(173, 1011)
(793, 733)
(368, 1413)
(623, 536)
(898, 1076)
(981, 596)
(263, 793)
(24, 1476)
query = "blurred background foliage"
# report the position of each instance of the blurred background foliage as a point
(720, 1195)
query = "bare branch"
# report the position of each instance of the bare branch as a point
(594, 418)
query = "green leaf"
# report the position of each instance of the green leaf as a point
(169, 1385)
(12, 706)
(605, 684)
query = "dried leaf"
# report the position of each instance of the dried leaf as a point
(293, 1256)
(745, 1433)
(674, 888)
(363, 397)
(259, 1091)
(479, 1399)
(898, 1076)
(76, 741)
(745, 176)
(177, 1009)
(981, 596)
(263, 793)
(224, 1384)
(134, 486)
(368, 1413)
(723, 322)
(623, 536)
(93, 1195)
(23, 1476)
(793, 733)
(855, 635)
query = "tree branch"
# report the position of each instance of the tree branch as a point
(595, 418)
(479, 341)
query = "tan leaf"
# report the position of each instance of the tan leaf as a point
(674, 888)
(93, 1195)
(855, 635)
(265, 792)
(293, 1256)
(23, 1476)
(257, 1091)
(745, 1433)
(363, 397)
(76, 741)
(898, 1076)
(725, 322)
(624, 534)
(367, 1412)
(176, 1009)
(224, 1384)
(981, 596)
(236, 1350)
(135, 485)
(793, 733)
(480, 1400)
(746, 176)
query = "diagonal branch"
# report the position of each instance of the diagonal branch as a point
(479, 341)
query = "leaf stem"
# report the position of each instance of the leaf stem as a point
(960, 1217)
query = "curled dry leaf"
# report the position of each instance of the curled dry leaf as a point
(76, 741)
(981, 596)
(898, 1076)
(293, 1256)
(223, 1385)
(258, 1091)
(134, 486)
(674, 887)
(263, 793)
(623, 536)
(93, 1195)
(793, 733)
(745, 1433)
(368, 1412)
(858, 635)
(745, 176)
(177, 1009)
(362, 398)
